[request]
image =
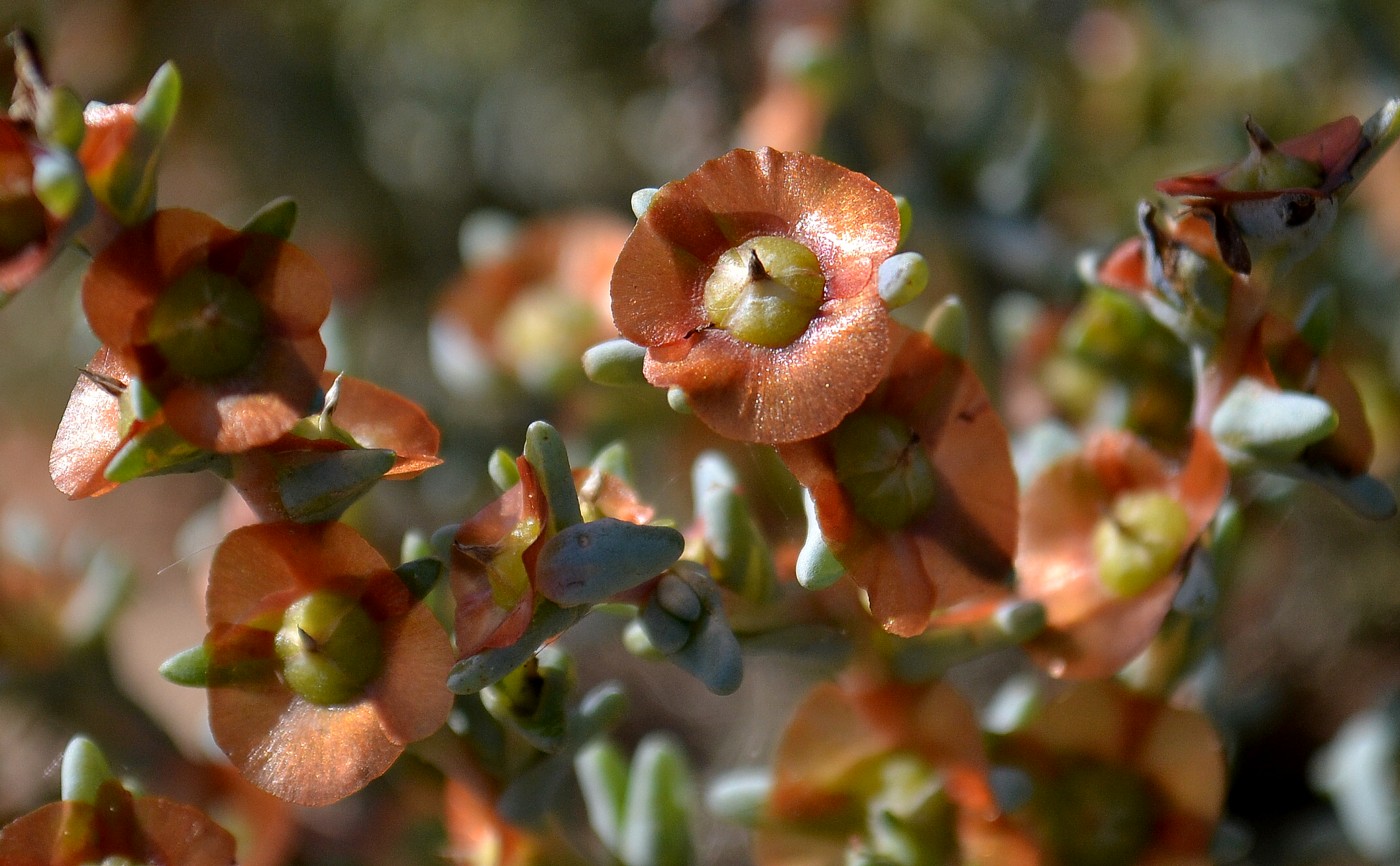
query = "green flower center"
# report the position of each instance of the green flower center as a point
(883, 468)
(329, 647)
(1099, 815)
(207, 325)
(1138, 542)
(765, 291)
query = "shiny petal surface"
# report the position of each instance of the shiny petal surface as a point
(90, 432)
(301, 752)
(273, 559)
(379, 418)
(741, 390)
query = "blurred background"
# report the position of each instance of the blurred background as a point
(423, 136)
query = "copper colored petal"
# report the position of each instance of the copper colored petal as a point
(477, 833)
(90, 432)
(301, 752)
(961, 548)
(379, 418)
(253, 408)
(165, 833)
(266, 559)
(410, 692)
(174, 833)
(294, 290)
(827, 737)
(801, 390)
(611, 496)
(59, 834)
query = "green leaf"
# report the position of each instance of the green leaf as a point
(587, 563)
(602, 777)
(157, 450)
(421, 575)
(947, 326)
(544, 449)
(660, 798)
(277, 218)
(472, 674)
(188, 668)
(85, 770)
(903, 277)
(318, 486)
(616, 362)
(817, 566)
(1268, 424)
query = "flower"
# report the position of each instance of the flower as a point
(753, 284)
(532, 308)
(115, 827)
(322, 664)
(861, 765)
(1281, 195)
(498, 555)
(1116, 779)
(1103, 542)
(915, 492)
(300, 475)
(493, 560)
(221, 326)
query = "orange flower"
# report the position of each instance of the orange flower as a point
(753, 283)
(493, 558)
(322, 665)
(533, 309)
(364, 416)
(1274, 193)
(30, 235)
(222, 326)
(850, 744)
(117, 827)
(915, 492)
(1116, 778)
(1104, 537)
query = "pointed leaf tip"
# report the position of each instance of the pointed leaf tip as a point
(188, 668)
(277, 218)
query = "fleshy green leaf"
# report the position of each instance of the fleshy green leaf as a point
(1268, 424)
(660, 798)
(616, 362)
(85, 769)
(587, 563)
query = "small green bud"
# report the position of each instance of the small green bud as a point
(765, 291)
(883, 468)
(207, 325)
(329, 647)
(1139, 542)
(1268, 168)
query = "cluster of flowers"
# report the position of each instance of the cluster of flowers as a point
(759, 291)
